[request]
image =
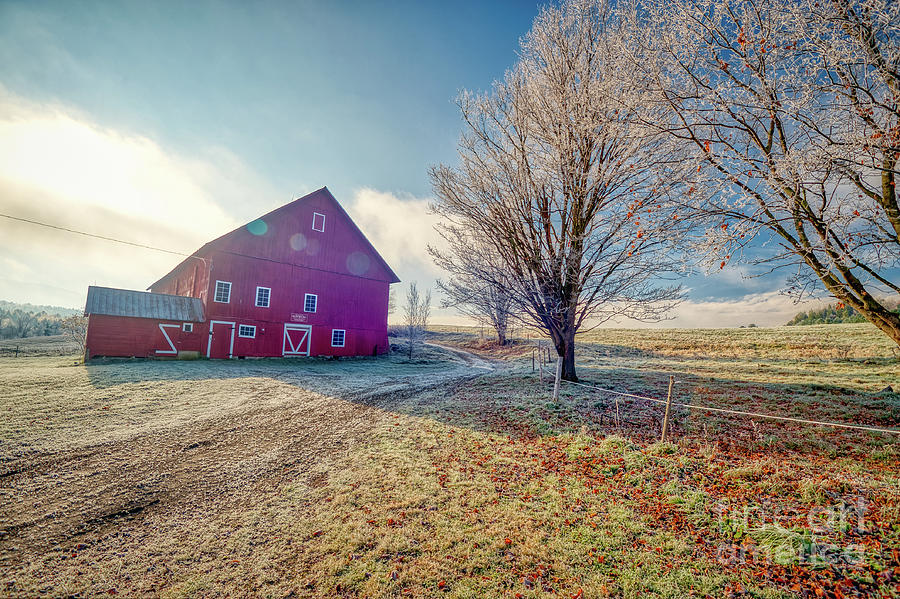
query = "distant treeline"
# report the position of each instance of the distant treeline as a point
(834, 314)
(26, 320)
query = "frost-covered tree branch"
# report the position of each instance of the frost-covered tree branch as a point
(476, 285)
(559, 181)
(790, 111)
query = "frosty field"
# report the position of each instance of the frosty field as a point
(457, 476)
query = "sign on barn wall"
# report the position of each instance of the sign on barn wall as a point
(295, 317)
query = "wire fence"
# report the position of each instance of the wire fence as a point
(37, 350)
(690, 406)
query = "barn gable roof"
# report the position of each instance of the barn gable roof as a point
(141, 304)
(320, 194)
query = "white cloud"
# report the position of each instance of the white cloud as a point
(58, 166)
(762, 309)
(400, 228)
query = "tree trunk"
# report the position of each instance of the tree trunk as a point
(565, 348)
(888, 322)
(501, 336)
(568, 371)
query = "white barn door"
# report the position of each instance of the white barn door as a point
(296, 340)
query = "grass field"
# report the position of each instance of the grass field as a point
(448, 476)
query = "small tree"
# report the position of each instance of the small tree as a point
(416, 313)
(475, 285)
(75, 328)
(392, 302)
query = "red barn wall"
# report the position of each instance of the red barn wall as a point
(357, 305)
(125, 336)
(189, 279)
(337, 265)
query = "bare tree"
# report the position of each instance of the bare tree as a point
(416, 312)
(75, 328)
(790, 110)
(392, 302)
(559, 179)
(475, 287)
(19, 323)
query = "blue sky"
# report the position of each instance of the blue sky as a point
(347, 94)
(170, 123)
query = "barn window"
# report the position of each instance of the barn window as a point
(262, 297)
(188, 327)
(310, 302)
(337, 337)
(223, 292)
(247, 330)
(318, 222)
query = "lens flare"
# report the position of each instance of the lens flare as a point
(258, 227)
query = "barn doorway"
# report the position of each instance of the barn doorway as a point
(221, 339)
(296, 340)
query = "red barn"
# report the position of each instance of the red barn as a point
(301, 280)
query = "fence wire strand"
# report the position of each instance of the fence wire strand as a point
(741, 412)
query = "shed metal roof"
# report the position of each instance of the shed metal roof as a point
(142, 304)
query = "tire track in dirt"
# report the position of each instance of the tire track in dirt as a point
(72, 498)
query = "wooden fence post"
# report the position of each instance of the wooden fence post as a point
(665, 426)
(558, 376)
(617, 412)
(17, 351)
(532, 360)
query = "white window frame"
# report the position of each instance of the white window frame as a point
(315, 214)
(187, 327)
(315, 304)
(343, 337)
(216, 292)
(268, 297)
(242, 327)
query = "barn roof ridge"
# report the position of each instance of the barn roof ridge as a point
(324, 188)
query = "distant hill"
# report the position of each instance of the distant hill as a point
(37, 309)
(833, 314)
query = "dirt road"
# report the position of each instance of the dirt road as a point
(65, 497)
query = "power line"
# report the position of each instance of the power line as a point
(150, 247)
(113, 239)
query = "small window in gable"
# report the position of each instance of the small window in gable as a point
(188, 327)
(246, 330)
(318, 222)
(223, 292)
(310, 302)
(337, 337)
(262, 297)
